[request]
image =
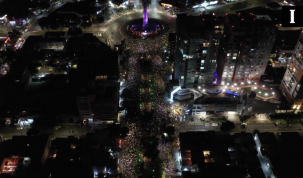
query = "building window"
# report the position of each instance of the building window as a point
(234, 57)
(204, 52)
(201, 68)
(228, 54)
(205, 44)
(298, 87)
(202, 61)
(101, 77)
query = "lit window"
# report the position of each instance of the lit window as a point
(201, 67)
(228, 54)
(202, 61)
(204, 51)
(234, 57)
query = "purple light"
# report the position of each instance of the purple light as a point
(145, 16)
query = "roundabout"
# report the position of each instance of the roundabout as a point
(134, 28)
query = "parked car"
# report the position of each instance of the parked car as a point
(214, 124)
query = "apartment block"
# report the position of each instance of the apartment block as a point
(248, 41)
(198, 41)
(291, 83)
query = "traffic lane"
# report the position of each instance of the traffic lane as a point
(264, 107)
(113, 28)
(188, 128)
(263, 127)
(10, 131)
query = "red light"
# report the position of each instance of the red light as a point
(202, 19)
(254, 19)
(6, 40)
(239, 13)
(226, 14)
(242, 19)
(233, 26)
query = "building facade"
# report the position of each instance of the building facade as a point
(198, 41)
(291, 83)
(248, 43)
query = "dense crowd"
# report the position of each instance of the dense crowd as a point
(150, 50)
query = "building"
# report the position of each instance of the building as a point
(81, 9)
(292, 144)
(25, 154)
(96, 81)
(217, 154)
(284, 47)
(172, 39)
(212, 105)
(198, 40)
(53, 40)
(248, 39)
(292, 80)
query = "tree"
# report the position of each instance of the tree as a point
(256, 131)
(32, 131)
(227, 126)
(45, 123)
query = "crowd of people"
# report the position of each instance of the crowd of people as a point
(149, 50)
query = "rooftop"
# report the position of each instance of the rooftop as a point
(81, 8)
(28, 146)
(287, 40)
(217, 100)
(249, 20)
(199, 24)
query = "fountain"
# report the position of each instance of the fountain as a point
(145, 26)
(145, 15)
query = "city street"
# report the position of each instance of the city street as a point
(250, 127)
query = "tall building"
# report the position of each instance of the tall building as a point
(291, 83)
(198, 40)
(248, 41)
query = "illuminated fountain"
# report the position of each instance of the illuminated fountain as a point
(145, 15)
(146, 26)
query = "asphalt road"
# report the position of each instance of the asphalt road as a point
(263, 127)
